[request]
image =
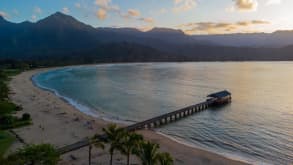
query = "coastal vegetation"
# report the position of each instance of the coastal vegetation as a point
(5, 141)
(7, 109)
(42, 154)
(131, 143)
(114, 139)
(165, 158)
(97, 143)
(148, 153)
(9, 121)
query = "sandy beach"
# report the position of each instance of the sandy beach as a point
(57, 122)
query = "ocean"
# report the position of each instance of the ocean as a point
(256, 127)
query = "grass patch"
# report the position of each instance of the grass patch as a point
(5, 142)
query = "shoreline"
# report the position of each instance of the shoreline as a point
(66, 119)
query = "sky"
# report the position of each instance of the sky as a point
(191, 16)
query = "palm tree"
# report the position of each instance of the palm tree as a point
(97, 143)
(130, 143)
(148, 153)
(90, 152)
(114, 137)
(165, 158)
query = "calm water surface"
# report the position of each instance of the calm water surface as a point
(257, 126)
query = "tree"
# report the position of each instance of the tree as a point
(97, 143)
(148, 153)
(130, 143)
(165, 158)
(114, 136)
(43, 154)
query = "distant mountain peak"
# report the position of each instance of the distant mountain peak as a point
(58, 16)
(59, 19)
(58, 13)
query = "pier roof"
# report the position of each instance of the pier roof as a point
(220, 94)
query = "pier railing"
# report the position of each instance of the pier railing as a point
(170, 117)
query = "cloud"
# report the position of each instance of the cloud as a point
(4, 14)
(273, 2)
(107, 5)
(65, 10)
(77, 5)
(220, 27)
(103, 3)
(245, 5)
(184, 5)
(104, 7)
(259, 22)
(101, 14)
(37, 10)
(133, 13)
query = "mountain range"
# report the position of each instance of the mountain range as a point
(61, 38)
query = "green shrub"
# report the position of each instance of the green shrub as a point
(18, 108)
(26, 116)
(7, 107)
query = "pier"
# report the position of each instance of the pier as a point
(214, 99)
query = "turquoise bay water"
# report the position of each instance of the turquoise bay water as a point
(257, 126)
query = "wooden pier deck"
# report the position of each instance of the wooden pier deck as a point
(151, 123)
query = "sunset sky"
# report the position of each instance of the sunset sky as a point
(192, 16)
